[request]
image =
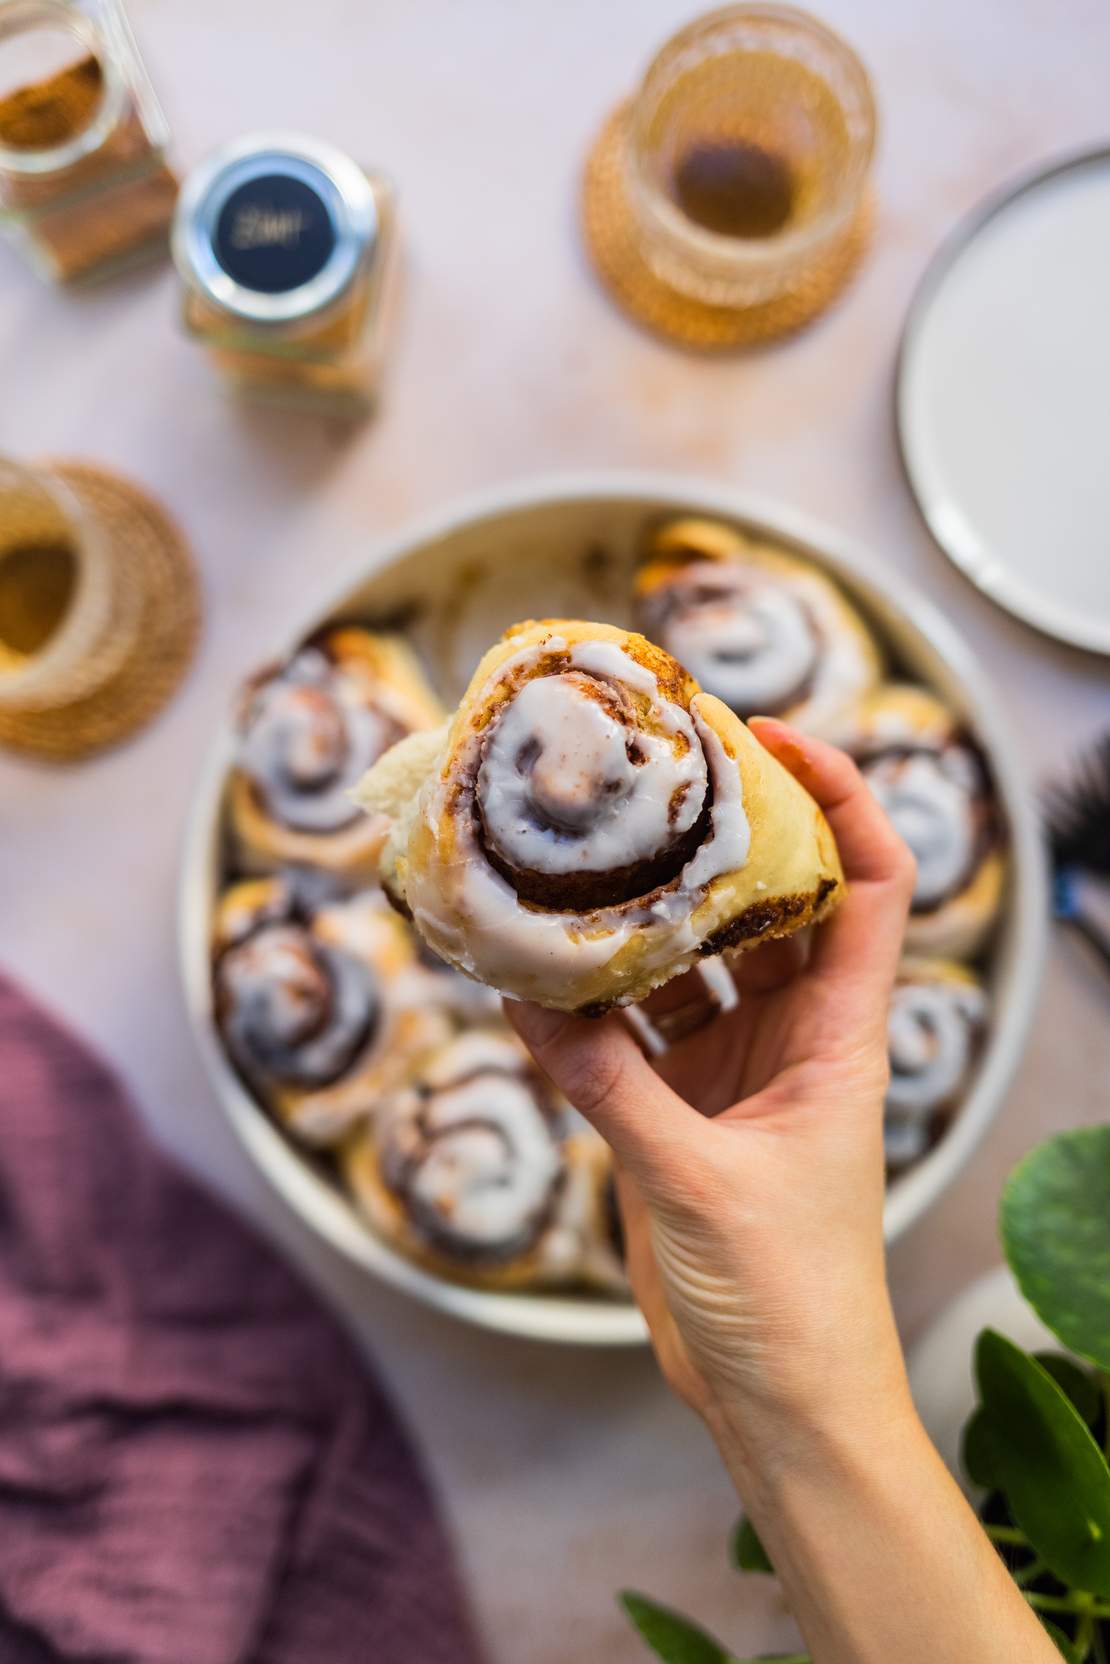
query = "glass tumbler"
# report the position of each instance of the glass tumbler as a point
(748, 148)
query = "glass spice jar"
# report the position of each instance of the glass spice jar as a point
(283, 246)
(84, 186)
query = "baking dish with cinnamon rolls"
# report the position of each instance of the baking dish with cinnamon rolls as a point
(597, 805)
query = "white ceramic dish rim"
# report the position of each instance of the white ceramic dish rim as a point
(941, 514)
(585, 1321)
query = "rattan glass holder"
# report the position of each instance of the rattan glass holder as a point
(157, 573)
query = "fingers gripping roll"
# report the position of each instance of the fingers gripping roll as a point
(591, 823)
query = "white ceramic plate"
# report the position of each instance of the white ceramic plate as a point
(567, 547)
(1002, 400)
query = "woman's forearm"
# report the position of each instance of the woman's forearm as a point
(879, 1554)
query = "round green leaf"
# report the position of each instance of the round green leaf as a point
(1055, 1224)
(1055, 1477)
(670, 1636)
(977, 1452)
(747, 1553)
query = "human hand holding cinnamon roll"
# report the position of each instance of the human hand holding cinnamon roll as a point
(752, 1151)
(751, 1185)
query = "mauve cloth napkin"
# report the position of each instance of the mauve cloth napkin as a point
(195, 1467)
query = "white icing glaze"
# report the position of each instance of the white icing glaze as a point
(762, 641)
(470, 913)
(474, 1155)
(308, 736)
(931, 1032)
(930, 797)
(560, 793)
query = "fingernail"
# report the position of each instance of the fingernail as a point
(786, 741)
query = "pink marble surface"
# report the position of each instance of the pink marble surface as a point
(566, 1475)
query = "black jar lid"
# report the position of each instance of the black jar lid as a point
(274, 227)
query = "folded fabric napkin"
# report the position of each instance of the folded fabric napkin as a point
(195, 1467)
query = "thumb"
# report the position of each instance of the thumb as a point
(598, 1066)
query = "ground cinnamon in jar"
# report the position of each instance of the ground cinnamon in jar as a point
(84, 185)
(284, 246)
(48, 113)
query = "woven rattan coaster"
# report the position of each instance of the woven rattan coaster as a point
(613, 241)
(160, 569)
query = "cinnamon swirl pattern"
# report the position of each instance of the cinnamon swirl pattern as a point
(761, 629)
(937, 1018)
(307, 732)
(468, 1169)
(591, 823)
(322, 1008)
(931, 779)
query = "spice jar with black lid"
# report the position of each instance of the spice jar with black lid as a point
(84, 185)
(283, 245)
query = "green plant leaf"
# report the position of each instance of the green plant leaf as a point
(676, 1640)
(746, 1552)
(977, 1453)
(1063, 1645)
(1079, 1385)
(1055, 1222)
(1055, 1477)
(670, 1636)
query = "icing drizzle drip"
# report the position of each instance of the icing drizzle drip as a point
(473, 1151)
(308, 733)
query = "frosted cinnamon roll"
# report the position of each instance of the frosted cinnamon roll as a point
(932, 780)
(762, 629)
(937, 1017)
(307, 731)
(466, 1168)
(591, 823)
(320, 1006)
